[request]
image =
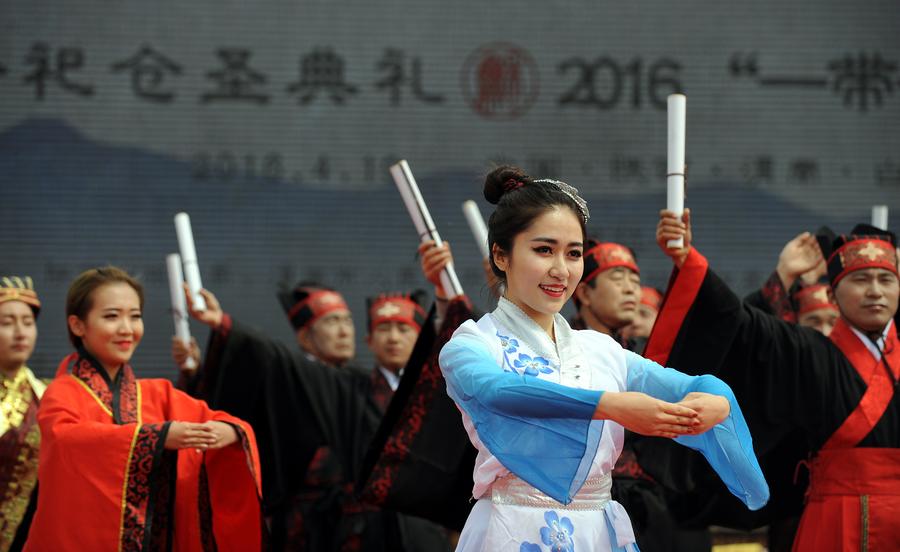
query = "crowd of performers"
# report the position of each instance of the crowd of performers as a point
(513, 430)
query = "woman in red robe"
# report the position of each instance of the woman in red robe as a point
(130, 464)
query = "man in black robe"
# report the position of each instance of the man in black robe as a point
(838, 391)
(795, 293)
(421, 461)
(395, 321)
(314, 415)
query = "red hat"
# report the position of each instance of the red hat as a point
(396, 307)
(604, 256)
(814, 297)
(306, 304)
(13, 288)
(865, 247)
(651, 297)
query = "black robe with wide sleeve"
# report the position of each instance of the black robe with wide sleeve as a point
(773, 299)
(790, 380)
(299, 409)
(421, 461)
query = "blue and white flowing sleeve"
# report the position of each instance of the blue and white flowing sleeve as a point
(540, 431)
(727, 447)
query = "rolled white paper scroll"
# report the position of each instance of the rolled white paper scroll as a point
(477, 226)
(675, 167)
(880, 216)
(179, 305)
(189, 258)
(418, 211)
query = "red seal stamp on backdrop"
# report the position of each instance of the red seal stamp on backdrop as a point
(500, 81)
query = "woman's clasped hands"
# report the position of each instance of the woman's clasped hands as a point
(641, 413)
(201, 436)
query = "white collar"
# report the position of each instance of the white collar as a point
(514, 319)
(392, 378)
(877, 346)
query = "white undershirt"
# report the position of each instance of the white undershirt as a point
(878, 346)
(392, 378)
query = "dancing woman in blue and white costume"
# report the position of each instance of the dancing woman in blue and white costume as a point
(546, 405)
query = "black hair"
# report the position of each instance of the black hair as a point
(520, 200)
(80, 298)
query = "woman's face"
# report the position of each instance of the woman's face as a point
(18, 333)
(545, 264)
(113, 327)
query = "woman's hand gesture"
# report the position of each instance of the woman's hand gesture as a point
(185, 435)
(643, 414)
(710, 409)
(209, 435)
(224, 433)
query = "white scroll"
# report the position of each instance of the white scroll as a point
(179, 305)
(477, 226)
(189, 258)
(418, 211)
(677, 107)
(880, 216)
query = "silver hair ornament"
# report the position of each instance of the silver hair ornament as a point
(570, 191)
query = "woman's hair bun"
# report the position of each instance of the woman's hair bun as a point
(503, 179)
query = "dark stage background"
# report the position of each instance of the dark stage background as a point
(273, 122)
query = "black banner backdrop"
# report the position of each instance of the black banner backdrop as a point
(272, 123)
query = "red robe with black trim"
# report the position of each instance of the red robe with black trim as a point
(788, 378)
(108, 483)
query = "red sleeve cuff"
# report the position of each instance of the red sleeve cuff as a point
(464, 299)
(774, 293)
(224, 327)
(683, 288)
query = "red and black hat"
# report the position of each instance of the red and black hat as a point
(865, 247)
(606, 255)
(814, 297)
(14, 288)
(651, 297)
(406, 308)
(307, 303)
